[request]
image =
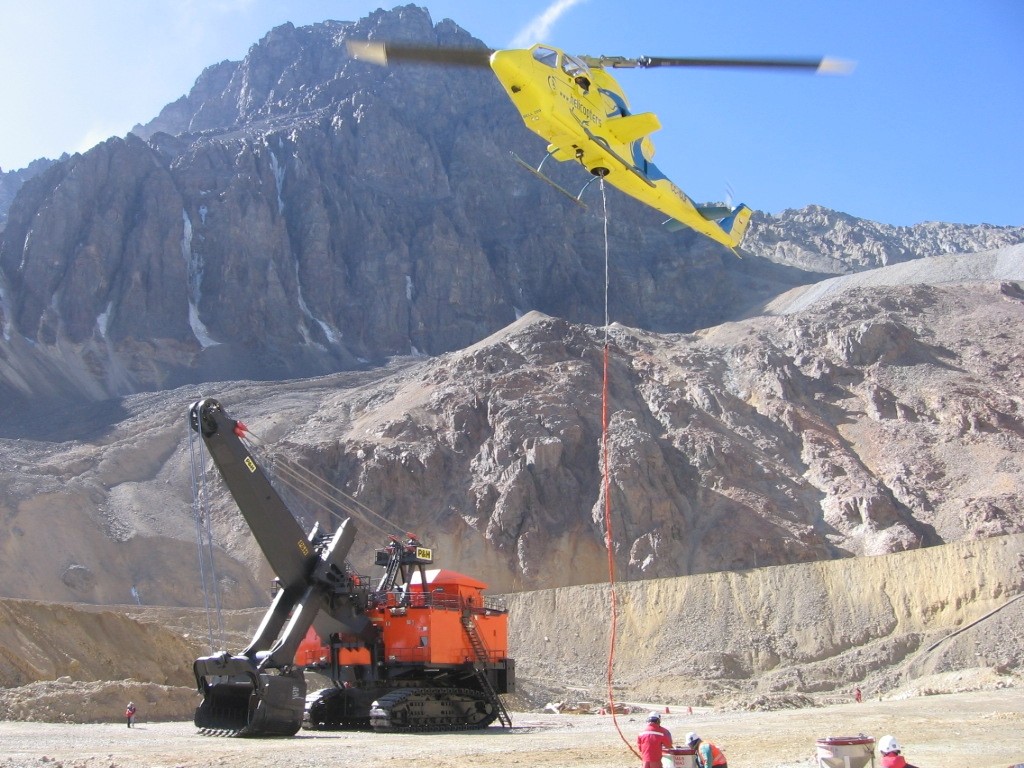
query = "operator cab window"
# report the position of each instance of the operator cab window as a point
(546, 56)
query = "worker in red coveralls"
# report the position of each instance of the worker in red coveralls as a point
(652, 740)
(708, 755)
(891, 757)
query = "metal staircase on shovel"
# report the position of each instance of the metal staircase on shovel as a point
(480, 668)
(392, 568)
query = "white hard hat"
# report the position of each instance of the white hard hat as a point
(887, 744)
(692, 738)
(654, 717)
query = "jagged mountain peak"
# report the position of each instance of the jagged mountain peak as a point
(300, 212)
(819, 239)
(294, 71)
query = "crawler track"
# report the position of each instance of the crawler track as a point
(432, 709)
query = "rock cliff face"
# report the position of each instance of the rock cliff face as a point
(299, 213)
(853, 428)
(12, 181)
(871, 421)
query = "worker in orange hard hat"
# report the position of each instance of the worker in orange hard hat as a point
(652, 740)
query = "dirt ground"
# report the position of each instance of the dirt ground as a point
(984, 728)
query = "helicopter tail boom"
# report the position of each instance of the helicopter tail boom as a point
(728, 229)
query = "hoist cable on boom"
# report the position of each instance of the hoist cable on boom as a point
(317, 491)
(204, 540)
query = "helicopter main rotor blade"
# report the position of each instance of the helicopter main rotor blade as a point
(378, 52)
(389, 53)
(824, 65)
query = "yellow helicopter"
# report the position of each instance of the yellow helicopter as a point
(581, 111)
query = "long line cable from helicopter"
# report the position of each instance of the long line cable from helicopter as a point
(606, 490)
(204, 540)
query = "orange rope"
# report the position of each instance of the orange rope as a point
(608, 540)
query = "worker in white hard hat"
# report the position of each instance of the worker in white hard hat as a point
(891, 749)
(652, 740)
(707, 754)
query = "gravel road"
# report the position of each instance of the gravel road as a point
(944, 731)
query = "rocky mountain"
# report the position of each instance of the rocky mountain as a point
(299, 213)
(300, 219)
(312, 213)
(12, 181)
(870, 420)
(826, 241)
(845, 389)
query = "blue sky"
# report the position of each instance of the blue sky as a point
(927, 128)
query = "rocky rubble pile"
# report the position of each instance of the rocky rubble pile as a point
(75, 701)
(46, 641)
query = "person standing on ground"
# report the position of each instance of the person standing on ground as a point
(890, 749)
(652, 740)
(708, 755)
(129, 713)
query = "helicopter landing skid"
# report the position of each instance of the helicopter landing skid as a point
(537, 172)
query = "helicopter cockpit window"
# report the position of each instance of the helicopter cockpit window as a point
(578, 71)
(546, 56)
(574, 67)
